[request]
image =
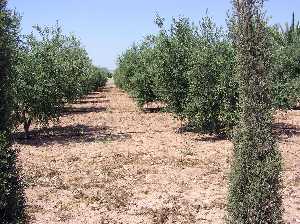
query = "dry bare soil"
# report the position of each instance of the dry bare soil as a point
(108, 162)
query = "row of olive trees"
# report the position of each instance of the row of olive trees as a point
(39, 74)
(217, 82)
(286, 65)
(188, 67)
(51, 69)
(191, 69)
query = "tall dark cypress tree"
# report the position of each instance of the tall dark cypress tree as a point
(11, 193)
(255, 183)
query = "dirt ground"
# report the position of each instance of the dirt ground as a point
(108, 162)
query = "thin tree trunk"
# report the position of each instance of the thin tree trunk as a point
(27, 124)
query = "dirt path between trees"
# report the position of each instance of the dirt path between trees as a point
(108, 162)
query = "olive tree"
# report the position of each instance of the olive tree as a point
(286, 65)
(174, 51)
(96, 79)
(52, 69)
(137, 71)
(189, 68)
(212, 99)
(127, 67)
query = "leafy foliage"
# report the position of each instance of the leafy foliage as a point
(137, 71)
(255, 180)
(12, 199)
(126, 70)
(174, 51)
(286, 66)
(212, 95)
(11, 189)
(187, 67)
(191, 69)
(52, 69)
(95, 79)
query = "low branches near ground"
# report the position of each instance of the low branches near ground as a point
(187, 67)
(191, 70)
(52, 69)
(136, 71)
(286, 65)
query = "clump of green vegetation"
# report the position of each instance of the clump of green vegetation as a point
(189, 68)
(52, 69)
(136, 71)
(255, 180)
(286, 66)
(12, 201)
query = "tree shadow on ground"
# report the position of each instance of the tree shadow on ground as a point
(153, 110)
(281, 130)
(94, 93)
(154, 107)
(70, 134)
(94, 97)
(84, 101)
(82, 110)
(297, 107)
(285, 131)
(107, 89)
(202, 135)
(211, 138)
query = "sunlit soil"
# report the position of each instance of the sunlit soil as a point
(108, 162)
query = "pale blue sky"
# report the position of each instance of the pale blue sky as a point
(107, 28)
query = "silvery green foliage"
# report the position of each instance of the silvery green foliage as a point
(52, 69)
(188, 67)
(255, 179)
(137, 71)
(12, 201)
(127, 63)
(286, 65)
(174, 60)
(95, 79)
(212, 99)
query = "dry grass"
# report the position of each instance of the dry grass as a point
(107, 162)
